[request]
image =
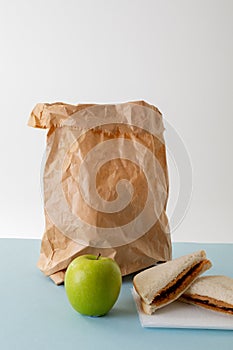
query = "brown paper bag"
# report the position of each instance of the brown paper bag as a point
(105, 185)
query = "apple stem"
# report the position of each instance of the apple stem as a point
(98, 256)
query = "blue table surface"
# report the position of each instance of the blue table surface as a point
(35, 313)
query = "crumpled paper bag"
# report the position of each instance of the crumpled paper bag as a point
(105, 185)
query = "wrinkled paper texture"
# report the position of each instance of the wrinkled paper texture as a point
(105, 185)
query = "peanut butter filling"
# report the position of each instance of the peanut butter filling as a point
(209, 303)
(182, 282)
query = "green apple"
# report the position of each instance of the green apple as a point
(93, 284)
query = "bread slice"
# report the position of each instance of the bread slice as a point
(211, 292)
(162, 284)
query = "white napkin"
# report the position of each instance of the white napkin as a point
(182, 315)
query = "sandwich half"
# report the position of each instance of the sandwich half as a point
(160, 285)
(211, 292)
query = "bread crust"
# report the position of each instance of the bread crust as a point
(208, 303)
(176, 287)
(152, 281)
(211, 292)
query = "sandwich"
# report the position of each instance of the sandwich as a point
(162, 284)
(211, 292)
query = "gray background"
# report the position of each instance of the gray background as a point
(175, 54)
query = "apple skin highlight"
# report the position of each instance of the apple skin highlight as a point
(93, 284)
